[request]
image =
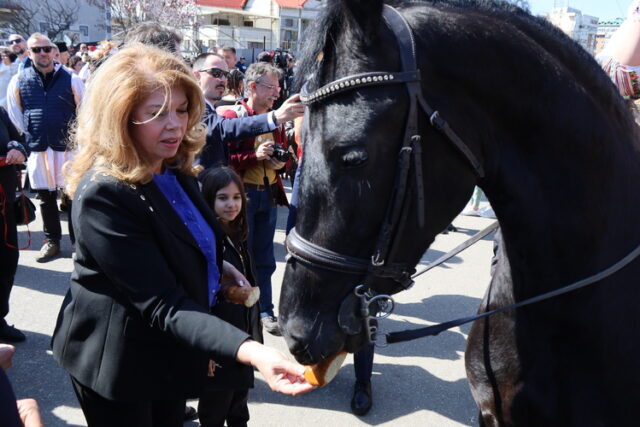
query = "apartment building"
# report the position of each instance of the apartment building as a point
(251, 24)
(581, 28)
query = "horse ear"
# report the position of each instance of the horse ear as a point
(367, 13)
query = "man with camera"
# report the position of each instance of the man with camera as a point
(259, 160)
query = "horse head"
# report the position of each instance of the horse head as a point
(352, 144)
(496, 74)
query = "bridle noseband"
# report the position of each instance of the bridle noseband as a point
(352, 316)
(409, 159)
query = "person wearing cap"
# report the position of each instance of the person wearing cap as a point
(43, 100)
(241, 65)
(63, 54)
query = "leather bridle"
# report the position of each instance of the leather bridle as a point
(409, 160)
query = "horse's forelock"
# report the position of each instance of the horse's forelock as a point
(322, 42)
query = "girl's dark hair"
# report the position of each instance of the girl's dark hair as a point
(74, 60)
(216, 178)
(234, 83)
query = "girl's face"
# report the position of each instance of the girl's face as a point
(228, 202)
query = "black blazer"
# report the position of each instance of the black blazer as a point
(135, 323)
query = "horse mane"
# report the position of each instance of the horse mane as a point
(335, 16)
(565, 52)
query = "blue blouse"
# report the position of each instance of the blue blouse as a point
(195, 222)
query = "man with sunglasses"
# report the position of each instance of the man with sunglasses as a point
(18, 45)
(211, 71)
(42, 103)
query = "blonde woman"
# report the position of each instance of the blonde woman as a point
(134, 331)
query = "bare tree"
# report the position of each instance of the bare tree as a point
(126, 14)
(57, 16)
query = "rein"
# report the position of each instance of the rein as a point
(412, 334)
(409, 158)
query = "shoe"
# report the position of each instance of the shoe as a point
(361, 401)
(190, 413)
(471, 211)
(270, 324)
(49, 250)
(9, 333)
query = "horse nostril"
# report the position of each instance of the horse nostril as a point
(299, 350)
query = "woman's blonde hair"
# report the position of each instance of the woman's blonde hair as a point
(102, 133)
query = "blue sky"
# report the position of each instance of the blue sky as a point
(603, 9)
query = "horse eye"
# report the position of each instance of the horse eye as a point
(355, 158)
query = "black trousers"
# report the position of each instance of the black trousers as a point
(101, 412)
(217, 406)
(363, 363)
(51, 216)
(8, 236)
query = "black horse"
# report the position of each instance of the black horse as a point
(561, 162)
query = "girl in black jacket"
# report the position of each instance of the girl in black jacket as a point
(225, 395)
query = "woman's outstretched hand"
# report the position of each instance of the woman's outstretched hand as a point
(282, 375)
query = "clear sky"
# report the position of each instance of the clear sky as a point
(603, 9)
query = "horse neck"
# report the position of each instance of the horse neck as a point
(568, 212)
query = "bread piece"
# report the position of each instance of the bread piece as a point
(247, 295)
(322, 373)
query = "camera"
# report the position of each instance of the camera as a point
(280, 154)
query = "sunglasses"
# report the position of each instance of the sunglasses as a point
(16, 41)
(46, 49)
(216, 73)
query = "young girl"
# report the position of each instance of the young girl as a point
(225, 395)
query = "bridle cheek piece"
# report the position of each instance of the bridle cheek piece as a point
(409, 159)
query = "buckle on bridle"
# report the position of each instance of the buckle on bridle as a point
(437, 121)
(372, 309)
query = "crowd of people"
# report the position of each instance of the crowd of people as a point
(176, 170)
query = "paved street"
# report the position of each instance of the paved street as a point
(417, 383)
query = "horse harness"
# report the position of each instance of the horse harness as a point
(409, 158)
(371, 306)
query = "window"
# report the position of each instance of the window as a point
(255, 45)
(221, 21)
(44, 27)
(289, 22)
(289, 35)
(84, 30)
(248, 23)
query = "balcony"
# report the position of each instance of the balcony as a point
(235, 34)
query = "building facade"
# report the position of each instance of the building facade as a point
(250, 25)
(605, 31)
(91, 20)
(581, 28)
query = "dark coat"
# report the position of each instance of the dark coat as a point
(135, 323)
(229, 374)
(221, 130)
